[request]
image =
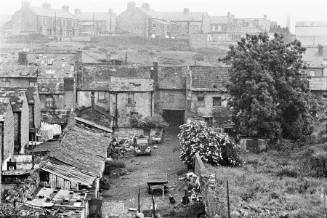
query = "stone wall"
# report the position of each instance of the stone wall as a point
(128, 132)
(208, 188)
(24, 126)
(8, 135)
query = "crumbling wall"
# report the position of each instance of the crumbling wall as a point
(140, 103)
(24, 125)
(8, 136)
(208, 185)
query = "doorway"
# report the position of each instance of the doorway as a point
(174, 118)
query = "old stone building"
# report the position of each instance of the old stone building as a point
(7, 136)
(19, 106)
(34, 109)
(43, 20)
(56, 82)
(311, 33)
(95, 23)
(207, 95)
(120, 90)
(170, 95)
(17, 74)
(226, 30)
(7, 131)
(317, 81)
(145, 22)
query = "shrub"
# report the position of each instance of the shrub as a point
(155, 121)
(113, 164)
(314, 162)
(213, 147)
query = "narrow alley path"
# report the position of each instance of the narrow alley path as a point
(165, 159)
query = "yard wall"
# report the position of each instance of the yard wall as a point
(128, 132)
(208, 184)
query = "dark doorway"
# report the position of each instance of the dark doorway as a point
(174, 117)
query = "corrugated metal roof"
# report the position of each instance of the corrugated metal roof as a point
(68, 172)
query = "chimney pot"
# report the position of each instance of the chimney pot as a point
(65, 8)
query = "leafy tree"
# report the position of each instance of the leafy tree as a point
(269, 95)
(213, 147)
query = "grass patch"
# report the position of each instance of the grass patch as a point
(271, 184)
(288, 172)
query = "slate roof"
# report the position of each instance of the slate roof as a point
(30, 92)
(97, 77)
(311, 23)
(68, 172)
(118, 84)
(51, 85)
(98, 115)
(172, 77)
(219, 19)
(82, 149)
(61, 64)
(175, 16)
(50, 12)
(206, 78)
(16, 98)
(13, 70)
(90, 16)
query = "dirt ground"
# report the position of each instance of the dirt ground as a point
(124, 190)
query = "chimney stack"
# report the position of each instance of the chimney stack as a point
(146, 6)
(186, 10)
(65, 8)
(22, 58)
(131, 5)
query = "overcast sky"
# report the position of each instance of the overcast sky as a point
(277, 10)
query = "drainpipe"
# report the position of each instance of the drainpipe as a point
(155, 77)
(151, 102)
(116, 112)
(92, 100)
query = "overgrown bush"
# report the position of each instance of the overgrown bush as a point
(314, 161)
(213, 147)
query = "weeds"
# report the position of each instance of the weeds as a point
(288, 172)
